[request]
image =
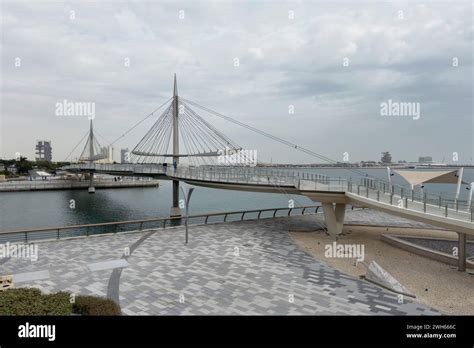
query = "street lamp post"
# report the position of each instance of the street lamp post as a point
(187, 197)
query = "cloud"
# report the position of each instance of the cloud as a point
(283, 61)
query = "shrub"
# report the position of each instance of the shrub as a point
(30, 301)
(91, 305)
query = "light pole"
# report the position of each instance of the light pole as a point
(187, 192)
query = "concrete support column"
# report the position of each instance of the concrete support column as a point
(91, 183)
(334, 217)
(175, 210)
(462, 252)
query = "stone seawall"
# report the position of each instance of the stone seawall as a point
(73, 185)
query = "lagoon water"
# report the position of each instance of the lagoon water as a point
(52, 208)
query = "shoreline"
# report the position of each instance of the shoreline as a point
(62, 185)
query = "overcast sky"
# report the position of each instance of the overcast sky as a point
(289, 53)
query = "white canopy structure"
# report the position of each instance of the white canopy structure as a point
(423, 177)
(436, 177)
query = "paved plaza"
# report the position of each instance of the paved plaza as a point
(249, 267)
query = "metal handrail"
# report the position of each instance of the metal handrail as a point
(401, 196)
(57, 230)
(289, 179)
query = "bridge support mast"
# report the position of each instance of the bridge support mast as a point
(175, 210)
(91, 155)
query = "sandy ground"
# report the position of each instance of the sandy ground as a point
(435, 284)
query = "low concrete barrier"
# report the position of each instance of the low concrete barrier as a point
(396, 241)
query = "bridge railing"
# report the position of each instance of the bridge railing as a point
(285, 179)
(74, 231)
(147, 168)
(404, 197)
(245, 175)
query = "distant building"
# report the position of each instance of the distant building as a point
(44, 151)
(124, 156)
(2, 167)
(386, 158)
(425, 159)
(107, 153)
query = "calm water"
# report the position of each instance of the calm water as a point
(51, 208)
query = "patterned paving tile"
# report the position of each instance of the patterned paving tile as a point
(249, 267)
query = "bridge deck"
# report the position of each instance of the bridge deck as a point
(429, 209)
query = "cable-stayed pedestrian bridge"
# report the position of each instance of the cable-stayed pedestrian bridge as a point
(159, 154)
(363, 192)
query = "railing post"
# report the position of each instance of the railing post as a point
(446, 210)
(378, 195)
(457, 205)
(358, 190)
(391, 198)
(424, 202)
(367, 192)
(440, 201)
(412, 195)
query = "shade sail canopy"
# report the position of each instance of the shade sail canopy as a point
(439, 177)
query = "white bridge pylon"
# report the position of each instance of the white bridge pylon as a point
(181, 135)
